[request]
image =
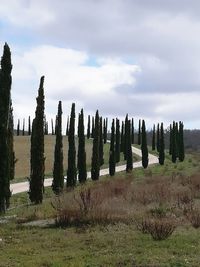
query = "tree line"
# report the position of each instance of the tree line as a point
(121, 138)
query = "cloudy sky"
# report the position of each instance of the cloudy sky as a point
(140, 57)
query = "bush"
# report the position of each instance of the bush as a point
(194, 217)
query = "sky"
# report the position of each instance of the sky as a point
(140, 57)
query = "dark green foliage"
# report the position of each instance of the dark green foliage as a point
(144, 148)
(67, 128)
(71, 172)
(101, 142)
(37, 150)
(122, 138)
(81, 162)
(129, 161)
(162, 146)
(95, 168)
(158, 138)
(117, 144)
(23, 129)
(92, 133)
(132, 131)
(88, 127)
(125, 137)
(154, 138)
(29, 125)
(11, 152)
(105, 130)
(181, 142)
(112, 161)
(177, 139)
(170, 139)
(46, 130)
(52, 127)
(139, 133)
(5, 106)
(173, 143)
(18, 127)
(58, 177)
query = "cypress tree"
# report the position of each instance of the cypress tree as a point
(132, 131)
(52, 127)
(11, 156)
(37, 150)
(18, 128)
(95, 150)
(71, 172)
(46, 128)
(162, 146)
(112, 150)
(154, 138)
(117, 144)
(122, 138)
(23, 129)
(81, 163)
(125, 137)
(105, 130)
(139, 133)
(101, 141)
(129, 161)
(5, 106)
(177, 139)
(181, 142)
(158, 138)
(92, 133)
(67, 129)
(174, 145)
(58, 177)
(144, 148)
(88, 127)
(170, 139)
(29, 125)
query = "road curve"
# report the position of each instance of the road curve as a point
(24, 186)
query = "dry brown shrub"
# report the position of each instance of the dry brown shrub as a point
(184, 198)
(194, 217)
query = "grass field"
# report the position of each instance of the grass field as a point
(115, 241)
(22, 154)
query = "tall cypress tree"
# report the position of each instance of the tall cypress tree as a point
(117, 144)
(58, 177)
(125, 137)
(174, 145)
(29, 125)
(101, 141)
(23, 129)
(81, 162)
(52, 127)
(132, 131)
(139, 133)
(67, 128)
(158, 138)
(181, 142)
(154, 138)
(88, 127)
(11, 156)
(112, 161)
(18, 127)
(105, 130)
(129, 161)
(170, 139)
(177, 139)
(5, 106)
(162, 146)
(95, 150)
(144, 148)
(71, 171)
(37, 150)
(122, 138)
(93, 125)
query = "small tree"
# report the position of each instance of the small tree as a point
(162, 146)
(125, 137)
(101, 141)
(112, 151)
(181, 142)
(144, 148)
(174, 145)
(132, 131)
(23, 129)
(122, 138)
(88, 127)
(105, 130)
(71, 171)
(154, 138)
(18, 127)
(52, 127)
(139, 133)
(129, 161)
(92, 133)
(158, 138)
(58, 177)
(95, 150)
(29, 125)
(117, 144)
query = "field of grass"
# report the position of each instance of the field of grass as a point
(113, 238)
(22, 154)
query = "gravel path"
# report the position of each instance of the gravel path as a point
(24, 186)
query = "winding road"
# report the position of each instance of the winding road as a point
(24, 186)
